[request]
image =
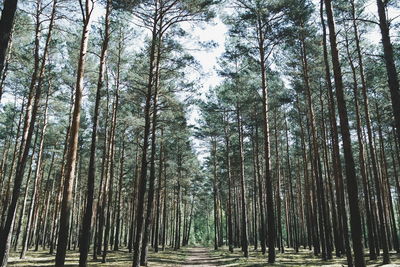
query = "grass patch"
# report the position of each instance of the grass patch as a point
(166, 258)
(288, 259)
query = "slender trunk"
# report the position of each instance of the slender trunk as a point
(352, 185)
(152, 177)
(36, 184)
(73, 144)
(4, 69)
(386, 183)
(393, 80)
(361, 150)
(108, 192)
(290, 177)
(164, 224)
(228, 166)
(278, 178)
(119, 201)
(88, 214)
(242, 185)
(260, 194)
(6, 25)
(324, 220)
(271, 234)
(158, 204)
(137, 248)
(24, 203)
(215, 181)
(344, 245)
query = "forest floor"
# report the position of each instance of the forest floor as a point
(290, 259)
(194, 257)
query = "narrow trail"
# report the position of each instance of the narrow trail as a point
(200, 256)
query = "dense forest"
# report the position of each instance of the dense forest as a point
(113, 149)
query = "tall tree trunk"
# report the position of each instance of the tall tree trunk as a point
(386, 183)
(158, 203)
(393, 80)
(215, 192)
(344, 245)
(290, 177)
(352, 185)
(119, 201)
(137, 248)
(245, 241)
(150, 195)
(87, 218)
(228, 166)
(260, 194)
(278, 189)
(177, 230)
(164, 223)
(36, 184)
(65, 211)
(4, 70)
(271, 234)
(24, 202)
(361, 149)
(6, 25)
(108, 192)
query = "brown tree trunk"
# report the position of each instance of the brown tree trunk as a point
(65, 211)
(150, 195)
(244, 239)
(38, 177)
(164, 223)
(158, 203)
(352, 185)
(6, 25)
(4, 70)
(108, 192)
(361, 149)
(24, 202)
(260, 194)
(344, 245)
(290, 177)
(271, 234)
(88, 214)
(278, 189)
(215, 181)
(393, 80)
(137, 248)
(119, 201)
(228, 166)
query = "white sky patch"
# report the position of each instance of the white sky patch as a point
(208, 59)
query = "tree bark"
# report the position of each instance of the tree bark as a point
(137, 248)
(87, 218)
(6, 25)
(271, 234)
(65, 211)
(245, 245)
(352, 185)
(393, 80)
(36, 184)
(150, 195)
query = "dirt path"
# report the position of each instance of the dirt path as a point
(200, 256)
